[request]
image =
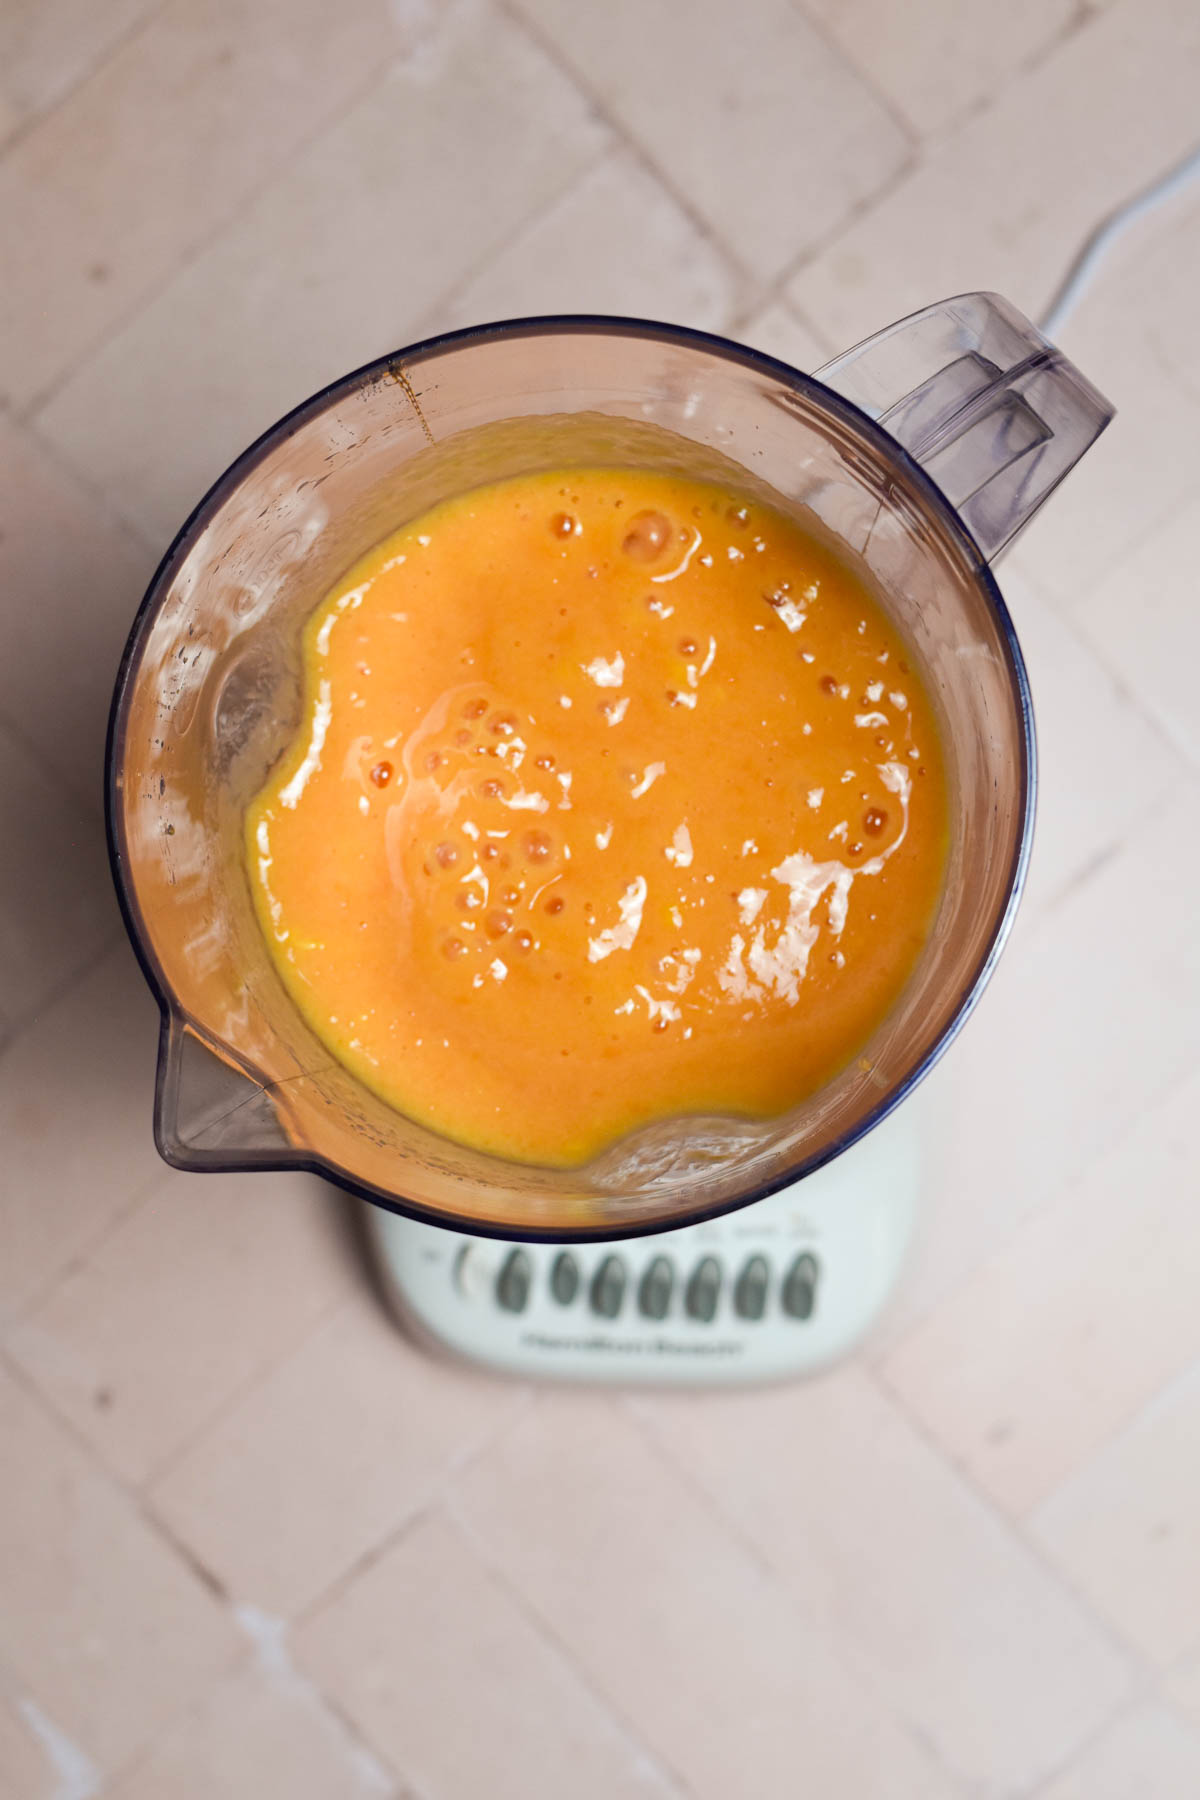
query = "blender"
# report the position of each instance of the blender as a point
(697, 1249)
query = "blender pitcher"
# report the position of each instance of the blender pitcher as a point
(919, 454)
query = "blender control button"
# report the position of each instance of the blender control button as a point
(704, 1290)
(475, 1269)
(655, 1288)
(750, 1290)
(512, 1283)
(564, 1278)
(608, 1287)
(799, 1292)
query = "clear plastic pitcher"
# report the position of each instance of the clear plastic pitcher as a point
(921, 453)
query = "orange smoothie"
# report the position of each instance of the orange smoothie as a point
(616, 797)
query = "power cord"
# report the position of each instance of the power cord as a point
(1080, 275)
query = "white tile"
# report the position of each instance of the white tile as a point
(73, 578)
(615, 242)
(166, 141)
(1004, 201)
(780, 331)
(426, 1630)
(1145, 622)
(46, 46)
(896, 1562)
(1126, 1526)
(681, 1628)
(940, 60)
(1039, 1358)
(766, 132)
(321, 1460)
(1081, 1028)
(197, 1291)
(57, 909)
(1102, 765)
(103, 1626)
(1150, 1751)
(263, 1732)
(76, 1091)
(338, 261)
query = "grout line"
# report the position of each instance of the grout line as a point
(1123, 1709)
(104, 57)
(1093, 867)
(642, 155)
(29, 415)
(1160, 723)
(156, 1527)
(430, 1499)
(776, 295)
(911, 133)
(984, 103)
(851, 1661)
(1085, 14)
(177, 1714)
(19, 1023)
(121, 517)
(85, 353)
(87, 799)
(136, 1195)
(1016, 1527)
(432, 321)
(99, 496)
(631, 1404)
(1141, 1675)
(67, 1429)
(275, 1663)
(408, 1789)
(743, 281)
(876, 1359)
(617, 147)
(160, 1471)
(1072, 619)
(409, 1522)
(1149, 1413)
(858, 210)
(1079, 270)
(85, 1251)
(1069, 619)
(193, 1561)
(761, 291)
(624, 1727)
(244, 1659)
(1102, 1150)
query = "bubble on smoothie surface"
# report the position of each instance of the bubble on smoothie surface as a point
(648, 536)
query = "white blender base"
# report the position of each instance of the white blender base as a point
(826, 1254)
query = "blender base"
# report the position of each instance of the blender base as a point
(781, 1288)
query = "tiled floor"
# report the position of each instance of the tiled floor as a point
(252, 1543)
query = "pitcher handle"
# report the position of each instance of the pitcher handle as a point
(992, 411)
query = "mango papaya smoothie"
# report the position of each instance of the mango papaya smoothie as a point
(616, 797)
